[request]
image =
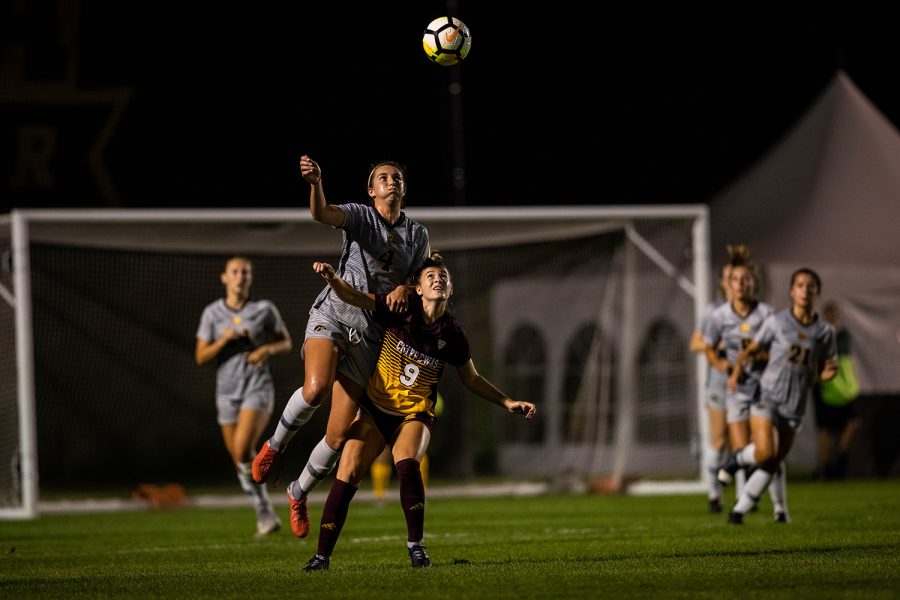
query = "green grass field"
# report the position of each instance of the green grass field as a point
(844, 541)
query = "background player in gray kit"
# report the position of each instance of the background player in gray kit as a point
(802, 351)
(381, 249)
(241, 335)
(716, 451)
(735, 324)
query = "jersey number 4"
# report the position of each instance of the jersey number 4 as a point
(386, 260)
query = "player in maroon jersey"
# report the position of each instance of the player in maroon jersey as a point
(398, 405)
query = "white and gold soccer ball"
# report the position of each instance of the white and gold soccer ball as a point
(447, 41)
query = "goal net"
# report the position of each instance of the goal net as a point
(585, 311)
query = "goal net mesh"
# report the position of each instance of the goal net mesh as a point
(587, 317)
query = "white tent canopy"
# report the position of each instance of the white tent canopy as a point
(828, 197)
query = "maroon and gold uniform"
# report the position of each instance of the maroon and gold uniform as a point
(412, 357)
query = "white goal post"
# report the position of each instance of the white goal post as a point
(585, 310)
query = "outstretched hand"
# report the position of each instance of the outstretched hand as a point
(524, 408)
(310, 170)
(325, 270)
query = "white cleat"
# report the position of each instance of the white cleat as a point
(267, 523)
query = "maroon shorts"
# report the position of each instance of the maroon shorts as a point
(389, 425)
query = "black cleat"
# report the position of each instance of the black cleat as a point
(728, 469)
(782, 517)
(317, 563)
(715, 505)
(418, 556)
(735, 518)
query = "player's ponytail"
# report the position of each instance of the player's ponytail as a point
(738, 255)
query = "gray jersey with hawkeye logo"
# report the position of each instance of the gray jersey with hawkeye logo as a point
(797, 353)
(261, 323)
(376, 257)
(736, 331)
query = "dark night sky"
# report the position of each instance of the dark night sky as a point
(558, 106)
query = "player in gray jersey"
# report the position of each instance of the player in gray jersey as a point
(716, 451)
(382, 248)
(801, 349)
(242, 335)
(734, 324)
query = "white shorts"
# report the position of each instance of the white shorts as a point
(715, 399)
(776, 412)
(716, 389)
(738, 402)
(228, 408)
(360, 351)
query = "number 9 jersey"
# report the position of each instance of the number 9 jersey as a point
(412, 357)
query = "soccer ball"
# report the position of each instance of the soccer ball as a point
(447, 41)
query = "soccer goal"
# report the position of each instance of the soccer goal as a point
(586, 311)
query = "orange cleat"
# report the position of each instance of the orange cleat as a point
(266, 464)
(299, 516)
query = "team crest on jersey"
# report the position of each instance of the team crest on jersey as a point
(441, 344)
(236, 320)
(391, 237)
(802, 336)
(745, 327)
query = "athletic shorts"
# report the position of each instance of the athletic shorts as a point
(777, 412)
(715, 399)
(738, 402)
(228, 408)
(388, 424)
(360, 351)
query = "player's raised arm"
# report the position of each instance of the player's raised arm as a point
(319, 208)
(344, 290)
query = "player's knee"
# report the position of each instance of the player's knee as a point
(336, 440)
(316, 391)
